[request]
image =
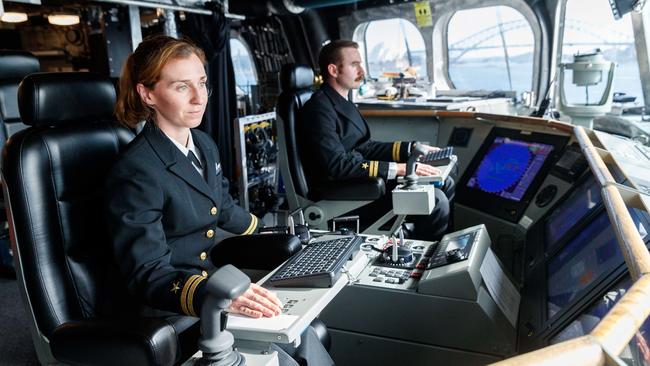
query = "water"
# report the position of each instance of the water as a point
(493, 76)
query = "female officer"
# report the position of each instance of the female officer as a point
(166, 194)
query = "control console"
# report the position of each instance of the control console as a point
(447, 268)
(429, 298)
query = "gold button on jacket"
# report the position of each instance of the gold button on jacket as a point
(213, 211)
(209, 233)
(203, 256)
(204, 273)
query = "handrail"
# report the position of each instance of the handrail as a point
(533, 121)
(632, 246)
(413, 113)
(616, 329)
(611, 335)
(597, 164)
(608, 338)
(581, 351)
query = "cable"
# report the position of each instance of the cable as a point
(351, 279)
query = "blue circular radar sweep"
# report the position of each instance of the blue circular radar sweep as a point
(503, 167)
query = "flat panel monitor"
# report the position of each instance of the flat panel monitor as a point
(580, 203)
(507, 170)
(637, 351)
(592, 254)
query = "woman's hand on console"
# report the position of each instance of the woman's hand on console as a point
(256, 302)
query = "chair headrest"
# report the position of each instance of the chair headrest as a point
(55, 98)
(294, 77)
(17, 64)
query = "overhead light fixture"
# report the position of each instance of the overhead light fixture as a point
(13, 17)
(63, 19)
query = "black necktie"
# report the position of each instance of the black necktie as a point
(194, 159)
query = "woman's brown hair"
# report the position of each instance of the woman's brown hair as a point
(145, 66)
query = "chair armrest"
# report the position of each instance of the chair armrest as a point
(264, 252)
(362, 189)
(132, 341)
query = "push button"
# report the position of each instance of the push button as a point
(209, 233)
(203, 256)
(213, 211)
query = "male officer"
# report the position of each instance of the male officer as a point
(336, 145)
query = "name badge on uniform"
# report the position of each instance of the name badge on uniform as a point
(217, 168)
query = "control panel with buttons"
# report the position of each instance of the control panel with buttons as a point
(453, 261)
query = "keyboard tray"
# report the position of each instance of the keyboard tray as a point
(319, 264)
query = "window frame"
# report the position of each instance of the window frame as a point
(237, 36)
(640, 32)
(441, 32)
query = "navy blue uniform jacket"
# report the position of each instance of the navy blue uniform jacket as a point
(334, 139)
(163, 216)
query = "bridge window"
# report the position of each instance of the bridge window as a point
(588, 25)
(393, 45)
(490, 48)
(245, 75)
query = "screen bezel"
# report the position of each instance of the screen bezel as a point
(588, 243)
(550, 248)
(504, 208)
(597, 284)
(535, 327)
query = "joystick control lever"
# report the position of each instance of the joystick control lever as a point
(411, 178)
(216, 343)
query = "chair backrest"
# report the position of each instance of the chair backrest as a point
(14, 66)
(296, 82)
(54, 174)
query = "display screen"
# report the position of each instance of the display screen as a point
(637, 352)
(509, 167)
(459, 242)
(590, 254)
(583, 200)
(641, 222)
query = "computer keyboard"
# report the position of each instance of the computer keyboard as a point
(438, 157)
(436, 180)
(317, 265)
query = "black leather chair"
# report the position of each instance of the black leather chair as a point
(55, 172)
(14, 66)
(322, 203)
(54, 176)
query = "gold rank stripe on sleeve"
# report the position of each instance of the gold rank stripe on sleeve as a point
(187, 295)
(252, 226)
(396, 149)
(374, 168)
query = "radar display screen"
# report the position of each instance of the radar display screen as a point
(509, 167)
(507, 170)
(580, 203)
(584, 260)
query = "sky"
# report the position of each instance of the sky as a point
(588, 21)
